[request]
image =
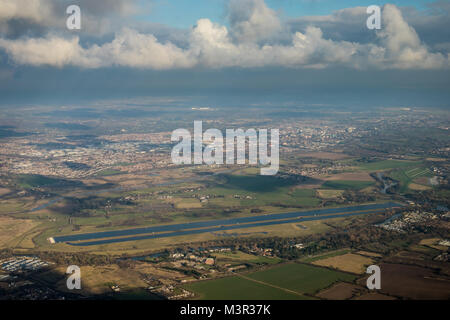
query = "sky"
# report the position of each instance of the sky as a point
(219, 52)
(183, 14)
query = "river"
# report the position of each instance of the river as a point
(219, 225)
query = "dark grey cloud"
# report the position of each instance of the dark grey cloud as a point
(433, 25)
(349, 24)
(35, 18)
(343, 25)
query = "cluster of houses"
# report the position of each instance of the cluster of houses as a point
(22, 264)
(266, 252)
(238, 196)
(191, 260)
(444, 243)
(407, 220)
(172, 293)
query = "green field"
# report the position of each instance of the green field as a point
(388, 164)
(288, 281)
(28, 181)
(325, 256)
(303, 193)
(417, 172)
(301, 278)
(240, 256)
(347, 184)
(237, 288)
(406, 176)
(255, 183)
(108, 172)
(263, 190)
(136, 294)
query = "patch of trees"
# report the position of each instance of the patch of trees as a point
(76, 258)
(64, 258)
(76, 206)
(356, 196)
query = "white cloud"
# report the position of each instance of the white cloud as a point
(51, 51)
(214, 46)
(129, 48)
(403, 46)
(133, 49)
(252, 20)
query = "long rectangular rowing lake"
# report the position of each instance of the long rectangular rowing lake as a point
(219, 225)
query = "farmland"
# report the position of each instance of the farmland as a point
(388, 164)
(405, 177)
(340, 291)
(329, 194)
(255, 190)
(347, 184)
(349, 262)
(231, 288)
(114, 203)
(413, 282)
(288, 281)
(12, 231)
(301, 278)
(325, 256)
(243, 257)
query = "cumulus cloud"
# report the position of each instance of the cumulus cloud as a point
(133, 49)
(402, 45)
(252, 20)
(129, 48)
(22, 17)
(49, 51)
(347, 24)
(245, 44)
(432, 24)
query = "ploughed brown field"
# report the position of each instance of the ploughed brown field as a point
(4, 191)
(374, 296)
(413, 282)
(340, 291)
